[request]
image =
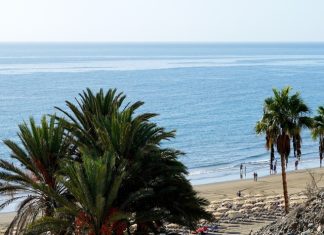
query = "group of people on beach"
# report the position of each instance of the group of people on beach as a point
(273, 167)
(243, 171)
(255, 176)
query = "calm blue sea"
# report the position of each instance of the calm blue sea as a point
(212, 94)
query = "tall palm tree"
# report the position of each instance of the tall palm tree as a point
(280, 110)
(318, 131)
(102, 123)
(38, 154)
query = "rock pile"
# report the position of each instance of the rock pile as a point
(306, 219)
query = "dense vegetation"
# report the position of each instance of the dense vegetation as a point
(99, 168)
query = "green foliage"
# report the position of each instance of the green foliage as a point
(318, 125)
(318, 130)
(136, 140)
(284, 114)
(99, 171)
(94, 186)
(39, 154)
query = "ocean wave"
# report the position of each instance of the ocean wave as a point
(143, 63)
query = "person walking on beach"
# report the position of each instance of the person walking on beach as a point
(296, 165)
(241, 171)
(256, 176)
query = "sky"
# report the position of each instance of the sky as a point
(161, 20)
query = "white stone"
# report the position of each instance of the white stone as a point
(319, 228)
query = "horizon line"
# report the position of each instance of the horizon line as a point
(160, 42)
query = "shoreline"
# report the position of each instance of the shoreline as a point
(212, 175)
(267, 185)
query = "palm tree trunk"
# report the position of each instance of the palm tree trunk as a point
(271, 158)
(284, 182)
(49, 209)
(298, 147)
(294, 145)
(321, 149)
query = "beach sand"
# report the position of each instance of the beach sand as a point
(218, 192)
(266, 186)
(5, 219)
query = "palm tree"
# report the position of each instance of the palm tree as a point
(318, 131)
(299, 114)
(83, 116)
(287, 114)
(41, 149)
(153, 186)
(271, 132)
(102, 123)
(94, 184)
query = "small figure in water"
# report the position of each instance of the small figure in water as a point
(245, 171)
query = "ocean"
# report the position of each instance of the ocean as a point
(212, 94)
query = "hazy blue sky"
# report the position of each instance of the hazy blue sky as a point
(162, 20)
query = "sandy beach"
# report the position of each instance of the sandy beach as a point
(217, 193)
(266, 189)
(268, 185)
(5, 219)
